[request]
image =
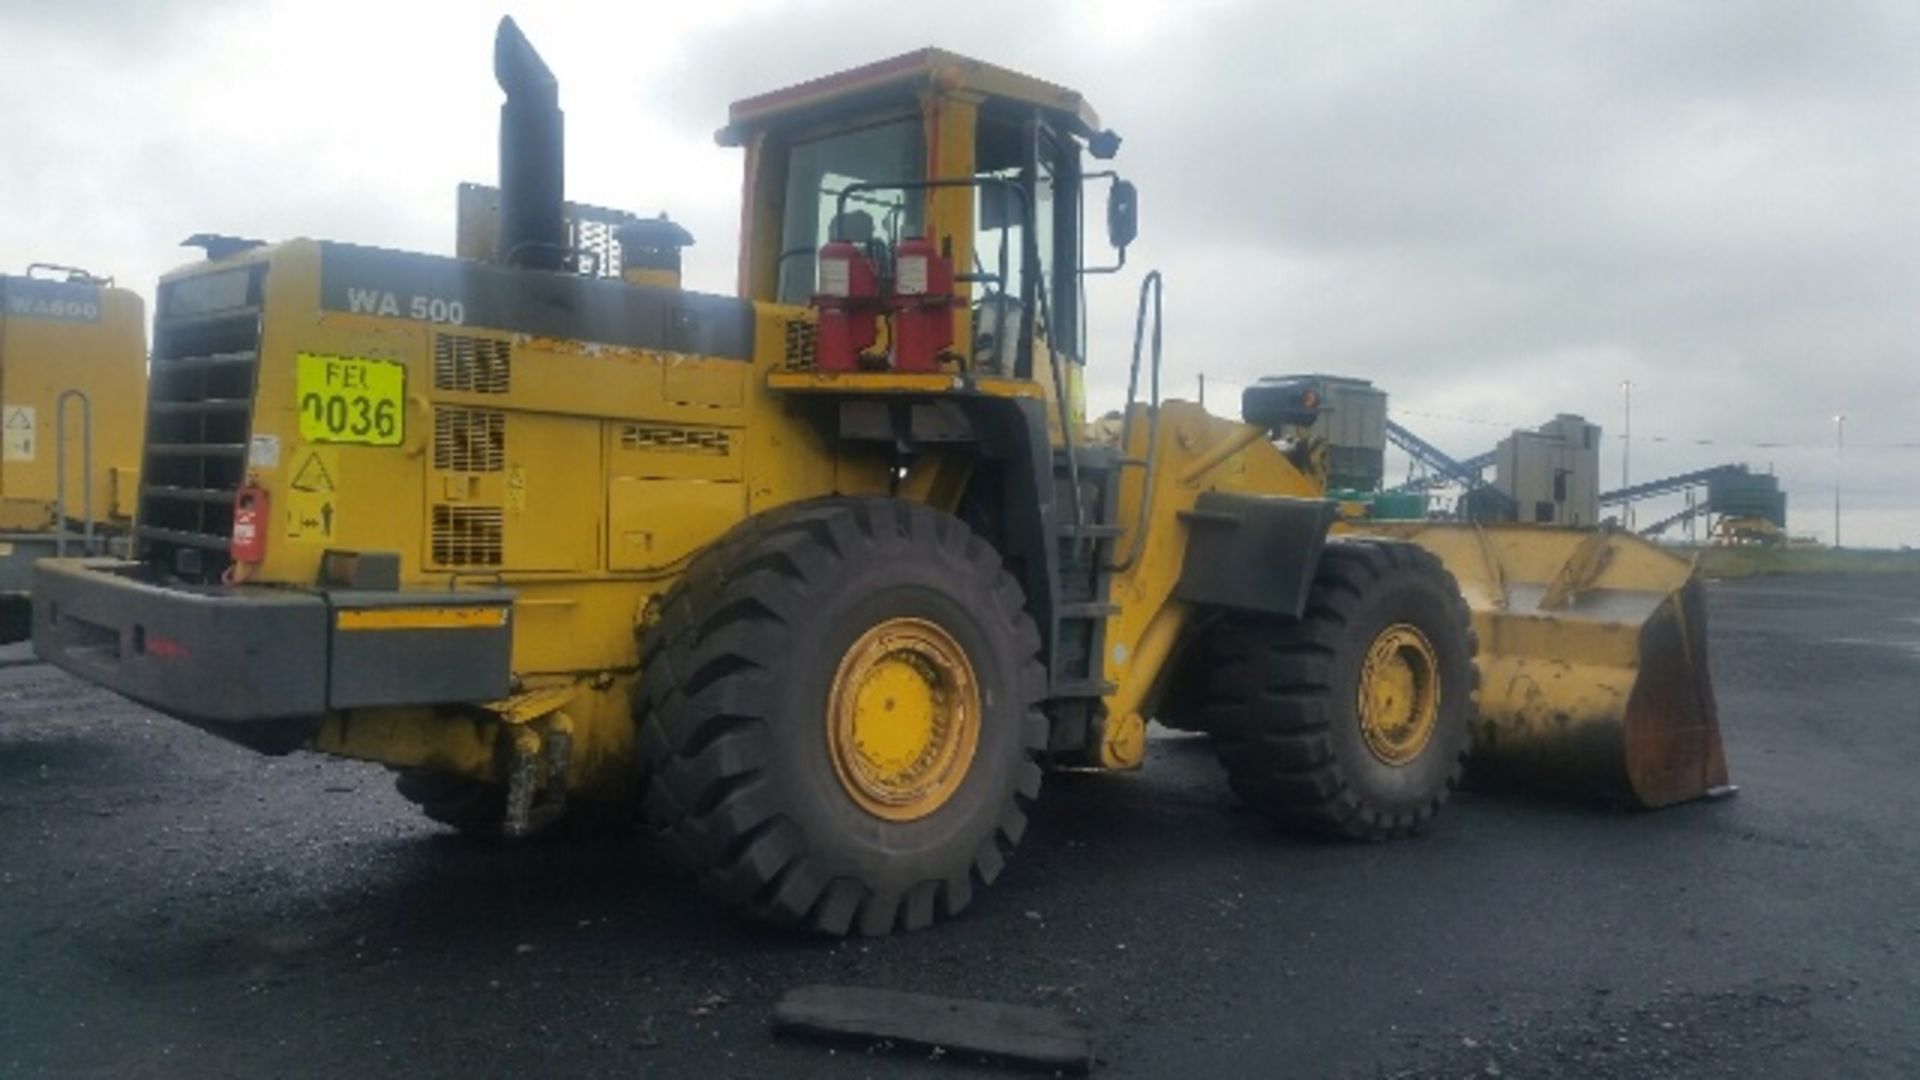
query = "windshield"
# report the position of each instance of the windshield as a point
(817, 172)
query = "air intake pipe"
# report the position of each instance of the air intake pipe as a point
(533, 228)
(650, 251)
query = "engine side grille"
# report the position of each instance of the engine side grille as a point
(801, 348)
(467, 535)
(596, 236)
(673, 440)
(199, 416)
(469, 440)
(473, 365)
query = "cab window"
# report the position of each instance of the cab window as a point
(818, 170)
(1018, 153)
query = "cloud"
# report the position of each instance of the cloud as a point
(1495, 210)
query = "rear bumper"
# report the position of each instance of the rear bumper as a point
(18, 553)
(243, 656)
(222, 656)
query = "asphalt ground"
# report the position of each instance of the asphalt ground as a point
(172, 906)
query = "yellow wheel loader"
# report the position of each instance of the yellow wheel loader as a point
(73, 373)
(824, 577)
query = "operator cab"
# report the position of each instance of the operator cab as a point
(930, 207)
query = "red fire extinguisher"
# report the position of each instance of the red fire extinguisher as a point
(250, 524)
(849, 305)
(922, 304)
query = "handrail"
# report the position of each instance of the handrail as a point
(1137, 538)
(1063, 406)
(60, 470)
(70, 275)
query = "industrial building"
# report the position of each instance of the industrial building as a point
(1551, 475)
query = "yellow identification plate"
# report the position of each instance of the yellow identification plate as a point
(346, 399)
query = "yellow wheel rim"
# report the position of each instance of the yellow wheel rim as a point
(903, 719)
(1399, 694)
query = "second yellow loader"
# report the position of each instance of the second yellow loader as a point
(73, 357)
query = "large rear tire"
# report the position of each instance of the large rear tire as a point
(838, 716)
(1351, 721)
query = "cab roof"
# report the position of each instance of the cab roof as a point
(906, 74)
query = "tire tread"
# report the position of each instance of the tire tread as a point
(1271, 702)
(703, 687)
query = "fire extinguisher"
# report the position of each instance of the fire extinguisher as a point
(250, 524)
(922, 305)
(849, 305)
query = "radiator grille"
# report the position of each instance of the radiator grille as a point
(199, 417)
(801, 350)
(673, 440)
(473, 365)
(594, 236)
(467, 535)
(469, 440)
(590, 230)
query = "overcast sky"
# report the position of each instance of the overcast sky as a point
(1496, 211)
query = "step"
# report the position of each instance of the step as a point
(1084, 688)
(1087, 610)
(1089, 532)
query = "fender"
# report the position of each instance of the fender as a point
(1253, 553)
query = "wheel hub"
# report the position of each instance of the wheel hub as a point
(903, 719)
(1399, 694)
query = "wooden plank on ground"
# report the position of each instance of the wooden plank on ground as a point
(1015, 1034)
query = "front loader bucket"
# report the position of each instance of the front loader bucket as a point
(1593, 661)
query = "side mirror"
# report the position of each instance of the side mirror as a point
(1123, 214)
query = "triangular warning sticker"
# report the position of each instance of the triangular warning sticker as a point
(313, 475)
(18, 418)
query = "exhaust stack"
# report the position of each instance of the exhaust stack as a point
(533, 230)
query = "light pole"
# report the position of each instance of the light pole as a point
(1626, 453)
(1839, 468)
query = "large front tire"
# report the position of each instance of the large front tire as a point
(838, 716)
(1351, 721)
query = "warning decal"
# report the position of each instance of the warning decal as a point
(18, 433)
(517, 489)
(312, 510)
